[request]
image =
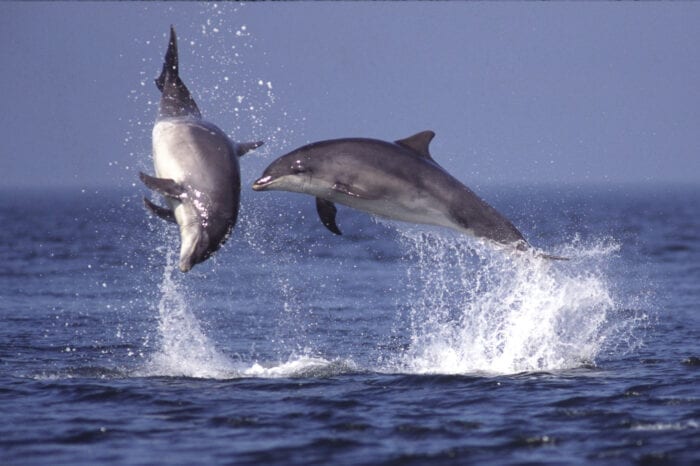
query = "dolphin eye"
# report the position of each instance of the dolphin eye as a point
(298, 167)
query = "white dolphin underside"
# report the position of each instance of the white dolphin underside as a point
(417, 208)
(198, 156)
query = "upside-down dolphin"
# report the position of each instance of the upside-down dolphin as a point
(196, 167)
(398, 181)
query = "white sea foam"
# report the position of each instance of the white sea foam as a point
(666, 426)
(300, 366)
(476, 310)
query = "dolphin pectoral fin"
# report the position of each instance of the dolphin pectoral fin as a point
(243, 148)
(166, 214)
(164, 186)
(326, 211)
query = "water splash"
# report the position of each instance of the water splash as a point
(476, 310)
(183, 349)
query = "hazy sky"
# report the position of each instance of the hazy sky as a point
(516, 92)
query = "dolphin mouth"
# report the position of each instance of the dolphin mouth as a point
(262, 183)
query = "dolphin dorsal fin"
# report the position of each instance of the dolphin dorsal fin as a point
(418, 143)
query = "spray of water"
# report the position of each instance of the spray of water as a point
(476, 310)
(183, 349)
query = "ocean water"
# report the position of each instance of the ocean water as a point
(393, 344)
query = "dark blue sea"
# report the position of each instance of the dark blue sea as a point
(391, 344)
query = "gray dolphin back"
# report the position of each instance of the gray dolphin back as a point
(176, 100)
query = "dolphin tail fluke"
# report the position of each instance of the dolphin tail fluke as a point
(243, 148)
(170, 64)
(165, 186)
(326, 211)
(158, 211)
(176, 99)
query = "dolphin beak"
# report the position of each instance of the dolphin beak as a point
(185, 267)
(262, 183)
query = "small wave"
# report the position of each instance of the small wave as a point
(304, 366)
(89, 372)
(692, 361)
(660, 426)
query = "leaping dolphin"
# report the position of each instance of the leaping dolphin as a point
(398, 181)
(196, 167)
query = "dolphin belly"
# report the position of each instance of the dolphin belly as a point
(173, 157)
(197, 157)
(423, 209)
